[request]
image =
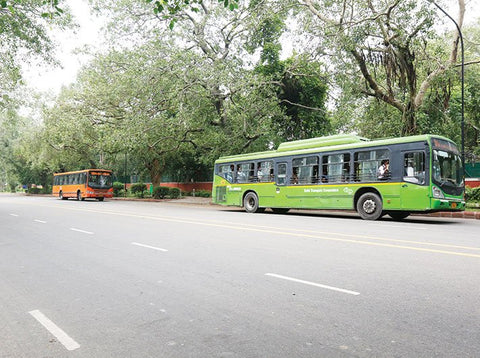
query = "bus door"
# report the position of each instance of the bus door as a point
(414, 191)
(281, 180)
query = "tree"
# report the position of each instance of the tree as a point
(301, 89)
(23, 34)
(384, 46)
(154, 102)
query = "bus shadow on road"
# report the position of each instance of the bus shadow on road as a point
(351, 215)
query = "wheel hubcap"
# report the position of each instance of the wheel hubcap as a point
(369, 206)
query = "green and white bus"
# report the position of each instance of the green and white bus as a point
(397, 176)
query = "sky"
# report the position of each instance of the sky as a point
(89, 34)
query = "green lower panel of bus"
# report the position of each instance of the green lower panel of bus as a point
(395, 196)
(447, 205)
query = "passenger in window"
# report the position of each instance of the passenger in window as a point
(409, 168)
(383, 171)
(229, 174)
(295, 176)
(260, 173)
(324, 177)
(241, 177)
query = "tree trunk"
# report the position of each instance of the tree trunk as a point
(155, 168)
(409, 120)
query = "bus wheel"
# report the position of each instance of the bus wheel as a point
(369, 206)
(60, 195)
(250, 202)
(100, 199)
(79, 196)
(280, 210)
(398, 215)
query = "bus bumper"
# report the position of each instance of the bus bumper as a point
(448, 205)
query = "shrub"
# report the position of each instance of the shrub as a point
(117, 187)
(203, 193)
(34, 190)
(160, 192)
(138, 189)
(174, 193)
(472, 194)
(142, 194)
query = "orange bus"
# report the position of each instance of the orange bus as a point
(81, 184)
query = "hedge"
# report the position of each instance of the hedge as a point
(117, 188)
(472, 194)
(160, 192)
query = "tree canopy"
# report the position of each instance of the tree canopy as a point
(184, 82)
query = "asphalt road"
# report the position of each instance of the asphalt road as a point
(130, 279)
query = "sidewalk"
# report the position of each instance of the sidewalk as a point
(461, 215)
(182, 200)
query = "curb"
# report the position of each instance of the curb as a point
(458, 215)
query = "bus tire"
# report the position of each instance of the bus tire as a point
(100, 199)
(79, 196)
(280, 210)
(250, 202)
(60, 195)
(369, 206)
(398, 215)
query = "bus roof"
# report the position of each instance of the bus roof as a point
(84, 171)
(324, 144)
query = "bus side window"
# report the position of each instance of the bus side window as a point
(304, 170)
(264, 171)
(281, 173)
(414, 167)
(336, 168)
(227, 171)
(244, 172)
(367, 165)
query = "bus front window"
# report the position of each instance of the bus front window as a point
(99, 181)
(447, 170)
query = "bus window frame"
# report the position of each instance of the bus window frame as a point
(277, 173)
(313, 169)
(344, 176)
(372, 175)
(414, 179)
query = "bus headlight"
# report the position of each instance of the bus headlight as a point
(437, 193)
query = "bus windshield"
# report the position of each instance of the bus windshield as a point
(97, 180)
(447, 169)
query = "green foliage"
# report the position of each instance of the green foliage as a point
(302, 94)
(175, 193)
(472, 195)
(383, 54)
(34, 190)
(138, 189)
(24, 35)
(117, 187)
(169, 8)
(203, 193)
(378, 120)
(161, 192)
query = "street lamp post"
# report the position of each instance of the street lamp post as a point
(463, 84)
